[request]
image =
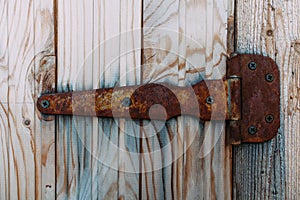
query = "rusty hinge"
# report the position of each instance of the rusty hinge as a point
(248, 99)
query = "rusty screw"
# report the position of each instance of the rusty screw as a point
(210, 100)
(269, 77)
(252, 65)
(252, 130)
(126, 102)
(45, 104)
(269, 118)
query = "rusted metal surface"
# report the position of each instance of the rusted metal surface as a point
(249, 99)
(139, 102)
(260, 98)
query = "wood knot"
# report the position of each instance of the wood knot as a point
(297, 46)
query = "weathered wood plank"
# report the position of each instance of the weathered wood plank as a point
(106, 31)
(23, 46)
(263, 28)
(159, 155)
(90, 48)
(186, 41)
(44, 81)
(4, 52)
(4, 150)
(130, 74)
(74, 134)
(20, 49)
(287, 42)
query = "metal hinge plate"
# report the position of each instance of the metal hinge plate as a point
(248, 99)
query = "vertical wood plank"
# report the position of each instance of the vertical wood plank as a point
(74, 134)
(22, 53)
(21, 139)
(90, 55)
(4, 52)
(266, 27)
(130, 74)
(4, 176)
(287, 43)
(160, 179)
(106, 38)
(45, 80)
(186, 41)
(4, 151)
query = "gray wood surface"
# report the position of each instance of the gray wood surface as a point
(91, 158)
(262, 171)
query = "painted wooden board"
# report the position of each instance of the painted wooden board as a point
(260, 170)
(26, 42)
(184, 42)
(94, 51)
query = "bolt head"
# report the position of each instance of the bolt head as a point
(45, 103)
(210, 100)
(269, 77)
(126, 102)
(269, 118)
(252, 65)
(252, 130)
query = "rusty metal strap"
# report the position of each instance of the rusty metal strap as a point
(248, 99)
(207, 100)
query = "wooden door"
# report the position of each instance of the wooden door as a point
(71, 45)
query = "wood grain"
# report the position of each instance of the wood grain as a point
(94, 51)
(74, 44)
(287, 42)
(130, 74)
(185, 41)
(45, 80)
(4, 52)
(270, 28)
(4, 142)
(24, 46)
(20, 50)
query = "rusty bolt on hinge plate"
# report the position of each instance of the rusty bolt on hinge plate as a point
(248, 100)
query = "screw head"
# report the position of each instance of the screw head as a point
(210, 100)
(269, 118)
(126, 102)
(269, 77)
(252, 65)
(252, 130)
(45, 103)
